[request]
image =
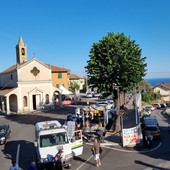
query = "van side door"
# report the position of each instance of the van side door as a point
(77, 143)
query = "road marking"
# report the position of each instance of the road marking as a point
(17, 156)
(84, 163)
(123, 150)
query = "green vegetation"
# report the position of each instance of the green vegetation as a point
(115, 59)
(148, 95)
(115, 63)
(74, 86)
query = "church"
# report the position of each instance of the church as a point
(27, 85)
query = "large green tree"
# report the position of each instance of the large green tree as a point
(115, 59)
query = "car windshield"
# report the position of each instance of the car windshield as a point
(152, 129)
(53, 139)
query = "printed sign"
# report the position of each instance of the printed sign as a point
(70, 128)
(131, 136)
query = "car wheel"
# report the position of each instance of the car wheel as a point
(4, 142)
(69, 166)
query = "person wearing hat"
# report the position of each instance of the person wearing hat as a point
(58, 160)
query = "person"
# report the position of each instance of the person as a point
(32, 166)
(100, 124)
(58, 160)
(88, 103)
(14, 166)
(96, 150)
(87, 122)
(148, 138)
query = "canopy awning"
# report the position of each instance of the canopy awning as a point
(64, 90)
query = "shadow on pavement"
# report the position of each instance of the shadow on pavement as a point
(25, 157)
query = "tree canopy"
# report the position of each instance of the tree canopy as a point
(115, 59)
(74, 86)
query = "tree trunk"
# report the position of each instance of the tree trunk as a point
(117, 123)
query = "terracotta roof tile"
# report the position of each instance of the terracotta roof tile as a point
(166, 85)
(6, 91)
(58, 69)
(10, 69)
(74, 77)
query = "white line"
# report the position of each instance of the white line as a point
(17, 156)
(84, 163)
(122, 150)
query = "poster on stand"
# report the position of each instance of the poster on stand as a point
(131, 136)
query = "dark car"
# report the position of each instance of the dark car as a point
(5, 132)
(154, 130)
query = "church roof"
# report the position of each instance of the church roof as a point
(3, 92)
(10, 69)
(53, 68)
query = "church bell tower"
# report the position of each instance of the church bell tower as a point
(21, 51)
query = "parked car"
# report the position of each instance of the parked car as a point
(151, 124)
(145, 112)
(157, 105)
(106, 102)
(163, 105)
(167, 111)
(148, 110)
(89, 95)
(5, 133)
(150, 107)
(151, 120)
(153, 129)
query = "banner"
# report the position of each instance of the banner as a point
(131, 136)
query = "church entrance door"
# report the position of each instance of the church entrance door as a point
(36, 101)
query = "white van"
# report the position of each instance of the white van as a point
(50, 136)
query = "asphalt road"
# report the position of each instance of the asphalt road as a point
(113, 157)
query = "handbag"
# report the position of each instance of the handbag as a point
(93, 151)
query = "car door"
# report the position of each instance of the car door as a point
(77, 143)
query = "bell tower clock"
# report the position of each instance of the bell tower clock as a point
(21, 51)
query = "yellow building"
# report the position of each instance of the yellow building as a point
(60, 76)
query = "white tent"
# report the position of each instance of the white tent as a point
(64, 90)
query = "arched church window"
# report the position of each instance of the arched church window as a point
(23, 51)
(47, 99)
(25, 101)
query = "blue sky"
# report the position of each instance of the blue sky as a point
(61, 32)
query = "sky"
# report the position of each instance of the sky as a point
(62, 32)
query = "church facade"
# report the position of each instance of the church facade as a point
(27, 85)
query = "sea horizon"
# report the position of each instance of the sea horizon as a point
(156, 81)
